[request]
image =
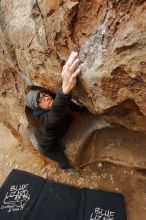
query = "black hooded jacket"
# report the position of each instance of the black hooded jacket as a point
(55, 122)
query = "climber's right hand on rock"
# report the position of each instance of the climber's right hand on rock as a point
(70, 73)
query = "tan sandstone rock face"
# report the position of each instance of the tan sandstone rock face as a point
(110, 36)
(36, 37)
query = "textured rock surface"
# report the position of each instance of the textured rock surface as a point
(97, 141)
(36, 37)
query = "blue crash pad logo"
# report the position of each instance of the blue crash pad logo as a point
(16, 198)
(101, 214)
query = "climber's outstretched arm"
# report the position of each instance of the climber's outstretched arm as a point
(70, 73)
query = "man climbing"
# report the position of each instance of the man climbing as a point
(53, 113)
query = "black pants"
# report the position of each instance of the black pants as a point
(56, 153)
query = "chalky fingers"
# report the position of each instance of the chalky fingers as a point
(71, 59)
(74, 65)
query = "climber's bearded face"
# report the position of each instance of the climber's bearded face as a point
(44, 100)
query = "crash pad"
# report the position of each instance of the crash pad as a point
(25, 196)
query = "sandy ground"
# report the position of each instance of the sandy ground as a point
(105, 176)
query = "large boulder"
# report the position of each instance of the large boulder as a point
(36, 37)
(110, 36)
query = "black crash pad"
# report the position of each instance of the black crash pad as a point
(24, 196)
